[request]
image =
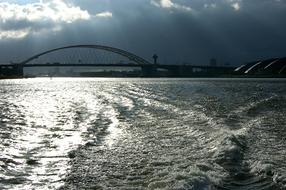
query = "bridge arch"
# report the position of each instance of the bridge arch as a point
(130, 56)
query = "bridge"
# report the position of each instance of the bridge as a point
(275, 67)
(105, 56)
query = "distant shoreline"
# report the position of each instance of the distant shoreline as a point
(195, 77)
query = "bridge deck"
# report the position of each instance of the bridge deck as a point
(119, 65)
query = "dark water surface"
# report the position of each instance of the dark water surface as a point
(143, 134)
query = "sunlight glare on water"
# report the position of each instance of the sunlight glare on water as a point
(142, 134)
(53, 124)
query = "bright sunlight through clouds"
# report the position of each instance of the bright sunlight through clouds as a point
(19, 20)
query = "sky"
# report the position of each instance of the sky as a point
(179, 31)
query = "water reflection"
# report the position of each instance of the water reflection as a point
(130, 133)
(53, 117)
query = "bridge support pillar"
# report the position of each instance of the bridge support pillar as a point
(149, 71)
(20, 70)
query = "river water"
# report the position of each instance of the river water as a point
(142, 134)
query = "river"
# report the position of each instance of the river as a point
(76, 133)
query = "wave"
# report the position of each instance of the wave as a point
(240, 172)
(273, 103)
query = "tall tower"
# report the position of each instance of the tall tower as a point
(155, 57)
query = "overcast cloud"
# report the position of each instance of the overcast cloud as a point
(178, 30)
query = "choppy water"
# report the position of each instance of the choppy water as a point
(142, 134)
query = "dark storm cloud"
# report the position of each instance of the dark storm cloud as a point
(179, 31)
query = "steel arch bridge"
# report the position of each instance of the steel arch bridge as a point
(137, 61)
(70, 56)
